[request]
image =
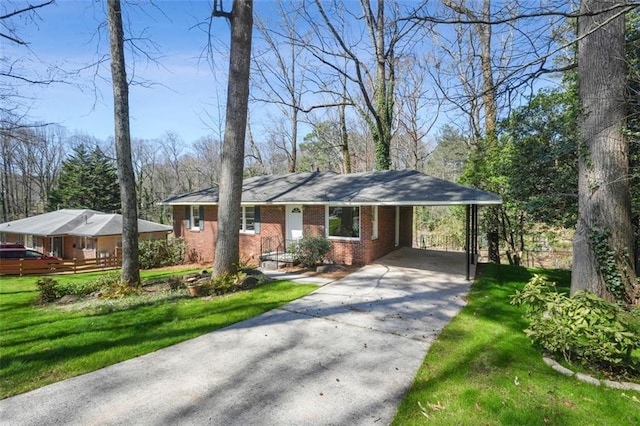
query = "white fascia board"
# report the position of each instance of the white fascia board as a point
(378, 203)
(347, 203)
(185, 203)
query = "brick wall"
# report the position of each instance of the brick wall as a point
(366, 250)
(313, 220)
(272, 224)
(199, 243)
(386, 233)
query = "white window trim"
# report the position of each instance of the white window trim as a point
(338, 238)
(193, 227)
(243, 222)
(374, 222)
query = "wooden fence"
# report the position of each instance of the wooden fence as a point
(67, 266)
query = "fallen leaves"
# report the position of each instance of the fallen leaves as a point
(427, 412)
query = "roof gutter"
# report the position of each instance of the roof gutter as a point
(347, 203)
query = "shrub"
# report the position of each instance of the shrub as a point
(107, 279)
(82, 288)
(582, 328)
(52, 290)
(159, 253)
(310, 250)
(48, 291)
(109, 284)
(225, 283)
(112, 286)
(119, 289)
(176, 283)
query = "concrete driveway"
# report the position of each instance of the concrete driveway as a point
(345, 354)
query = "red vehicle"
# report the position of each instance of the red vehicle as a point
(16, 259)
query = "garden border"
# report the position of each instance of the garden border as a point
(588, 379)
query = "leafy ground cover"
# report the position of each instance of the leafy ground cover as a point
(482, 369)
(42, 344)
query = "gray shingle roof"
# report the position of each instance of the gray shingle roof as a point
(78, 222)
(393, 187)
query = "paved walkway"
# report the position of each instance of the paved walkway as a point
(345, 354)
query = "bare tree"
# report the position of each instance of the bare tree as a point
(418, 112)
(227, 251)
(15, 72)
(603, 241)
(145, 157)
(374, 79)
(279, 75)
(321, 148)
(206, 161)
(30, 162)
(256, 167)
(126, 178)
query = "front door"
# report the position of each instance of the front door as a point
(293, 222)
(57, 246)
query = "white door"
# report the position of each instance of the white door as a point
(293, 221)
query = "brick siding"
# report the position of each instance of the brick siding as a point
(272, 224)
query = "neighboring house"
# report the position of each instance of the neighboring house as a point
(365, 215)
(76, 233)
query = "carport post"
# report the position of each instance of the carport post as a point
(467, 239)
(474, 234)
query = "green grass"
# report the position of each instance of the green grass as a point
(45, 344)
(469, 375)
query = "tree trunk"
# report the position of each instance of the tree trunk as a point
(293, 160)
(490, 120)
(130, 261)
(488, 86)
(227, 241)
(382, 134)
(490, 141)
(603, 240)
(344, 135)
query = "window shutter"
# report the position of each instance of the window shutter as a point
(201, 218)
(187, 217)
(256, 219)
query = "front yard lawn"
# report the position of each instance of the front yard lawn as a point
(45, 344)
(483, 370)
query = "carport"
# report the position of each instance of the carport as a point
(410, 188)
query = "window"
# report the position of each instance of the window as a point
(374, 222)
(196, 219)
(28, 241)
(343, 222)
(32, 254)
(248, 219)
(85, 243)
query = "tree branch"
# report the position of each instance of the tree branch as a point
(475, 21)
(27, 9)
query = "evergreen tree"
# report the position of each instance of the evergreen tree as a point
(88, 180)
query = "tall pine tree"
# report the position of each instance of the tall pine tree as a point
(88, 180)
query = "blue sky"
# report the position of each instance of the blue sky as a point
(185, 92)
